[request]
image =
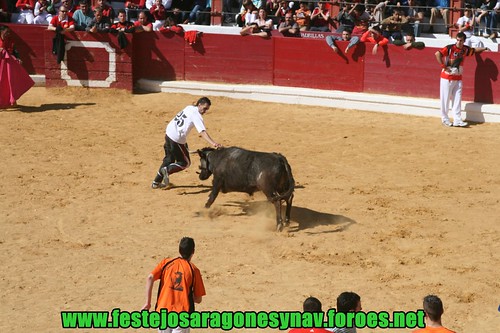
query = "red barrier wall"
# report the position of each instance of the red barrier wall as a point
(293, 62)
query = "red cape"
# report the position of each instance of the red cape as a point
(14, 80)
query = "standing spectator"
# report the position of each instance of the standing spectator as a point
(289, 28)
(410, 42)
(374, 35)
(465, 24)
(392, 26)
(433, 308)
(159, 14)
(176, 149)
(100, 23)
(303, 16)
(310, 305)
(451, 58)
(142, 24)
(42, 16)
(83, 16)
(320, 18)
(415, 16)
(25, 8)
(282, 10)
(361, 19)
(347, 301)
(181, 284)
(11, 71)
(440, 9)
(346, 37)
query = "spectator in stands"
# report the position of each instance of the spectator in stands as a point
(379, 12)
(199, 6)
(106, 9)
(392, 26)
(440, 9)
(25, 8)
(433, 308)
(42, 16)
(83, 16)
(62, 22)
(465, 24)
(261, 27)
(248, 14)
(289, 28)
(4, 11)
(159, 14)
(132, 8)
(415, 16)
(361, 19)
(184, 8)
(409, 42)
(142, 23)
(230, 8)
(282, 10)
(122, 25)
(303, 16)
(374, 35)
(311, 305)
(171, 26)
(346, 37)
(320, 18)
(344, 18)
(347, 301)
(100, 23)
(69, 6)
(488, 12)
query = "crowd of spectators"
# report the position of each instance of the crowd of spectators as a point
(395, 18)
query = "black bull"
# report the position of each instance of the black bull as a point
(240, 170)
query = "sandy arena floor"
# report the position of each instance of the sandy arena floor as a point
(392, 207)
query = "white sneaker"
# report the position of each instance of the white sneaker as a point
(447, 123)
(460, 124)
(164, 173)
(156, 185)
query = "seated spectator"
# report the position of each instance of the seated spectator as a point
(4, 11)
(106, 10)
(303, 16)
(142, 23)
(440, 9)
(465, 24)
(199, 6)
(42, 16)
(25, 8)
(347, 302)
(184, 8)
(99, 23)
(62, 22)
(361, 19)
(415, 16)
(311, 305)
(122, 25)
(261, 27)
(171, 26)
(248, 14)
(83, 16)
(392, 26)
(346, 37)
(409, 42)
(159, 14)
(374, 35)
(320, 18)
(289, 28)
(488, 12)
(433, 308)
(344, 18)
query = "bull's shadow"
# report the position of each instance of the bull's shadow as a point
(50, 107)
(301, 218)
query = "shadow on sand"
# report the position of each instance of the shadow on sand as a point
(49, 107)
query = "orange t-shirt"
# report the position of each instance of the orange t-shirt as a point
(428, 329)
(178, 278)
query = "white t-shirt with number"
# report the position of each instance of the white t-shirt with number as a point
(179, 128)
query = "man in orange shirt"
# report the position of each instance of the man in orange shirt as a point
(433, 308)
(181, 284)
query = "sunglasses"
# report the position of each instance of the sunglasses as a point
(63, 11)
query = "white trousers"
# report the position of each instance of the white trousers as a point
(451, 91)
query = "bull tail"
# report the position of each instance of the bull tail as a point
(291, 182)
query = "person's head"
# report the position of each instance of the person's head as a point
(460, 39)
(410, 37)
(142, 18)
(433, 307)
(312, 304)
(157, 3)
(203, 104)
(98, 13)
(262, 13)
(303, 6)
(375, 31)
(397, 13)
(359, 9)
(122, 15)
(186, 247)
(288, 17)
(83, 6)
(321, 5)
(348, 302)
(63, 12)
(346, 34)
(67, 3)
(4, 32)
(467, 12)
(248, 4)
